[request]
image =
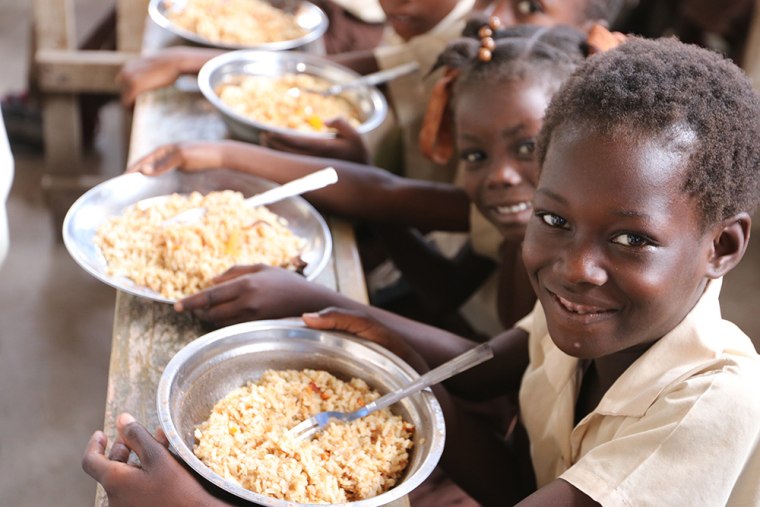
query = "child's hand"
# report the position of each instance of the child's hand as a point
(161, 69)
(187, 156)
(148, 73)
(360, 324)
(245, 293)
(158, 480)
(348, 145)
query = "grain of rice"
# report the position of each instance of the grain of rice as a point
(180, 259)
(284, 101)
(245, 439)
(241, 22)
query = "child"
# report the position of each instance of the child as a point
(416, 30)
(528, 64)
(627, 371)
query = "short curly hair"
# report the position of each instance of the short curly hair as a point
(651, 87)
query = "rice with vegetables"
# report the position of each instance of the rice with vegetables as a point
(178, 259)
(241, 22)
(245, 439)
(285, 101)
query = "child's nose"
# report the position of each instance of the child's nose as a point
(581, 263)
(504, 176)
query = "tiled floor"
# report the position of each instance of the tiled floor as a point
(56, 321)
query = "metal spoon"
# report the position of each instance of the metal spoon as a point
(368, 80)
(313, 181)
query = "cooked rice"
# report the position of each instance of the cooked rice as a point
(284, 101)
(177, 260)
(245, 439)
(241, 22)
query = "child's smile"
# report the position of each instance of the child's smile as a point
(615, 250)
(496, 131)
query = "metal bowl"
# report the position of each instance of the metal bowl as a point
(307, 15)
(111, 197)
(369, 101)
(208, 368)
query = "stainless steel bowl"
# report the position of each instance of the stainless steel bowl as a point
(307, 15)
(111, 197)
(208, 368)
(371, 104)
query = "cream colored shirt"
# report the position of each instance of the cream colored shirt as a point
(409, 95)
(366, 10)
(680, 427)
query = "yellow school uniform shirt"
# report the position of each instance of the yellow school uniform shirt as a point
(680, 427)
(409, 95)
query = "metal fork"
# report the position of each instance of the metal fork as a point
(462, 362)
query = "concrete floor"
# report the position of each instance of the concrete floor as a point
(56, 320)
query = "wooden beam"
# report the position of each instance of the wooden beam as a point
(62, 131)
(54, 24)
(348, 270)
(79, 71)
(131, 16)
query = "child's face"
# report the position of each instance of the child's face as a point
(615, 249)
(410, 18)
(538, 12)
(496, 129)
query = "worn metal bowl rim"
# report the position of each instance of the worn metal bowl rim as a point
(177, 445)
(157, 15)
(379, 103)
(144, 292)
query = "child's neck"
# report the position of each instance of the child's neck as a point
(599, 376)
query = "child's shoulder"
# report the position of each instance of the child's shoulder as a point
(730, 380)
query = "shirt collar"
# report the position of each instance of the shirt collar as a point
(697, 340)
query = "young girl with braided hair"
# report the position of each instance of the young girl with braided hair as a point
(513, 89)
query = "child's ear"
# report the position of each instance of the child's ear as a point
(729, 244)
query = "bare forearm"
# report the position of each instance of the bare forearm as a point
(190, 60)
(441, 282)
(362, 192)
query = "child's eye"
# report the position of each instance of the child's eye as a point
(526, 149)
(553, 220)
(527, 7)
(634, 240)
(473, 156)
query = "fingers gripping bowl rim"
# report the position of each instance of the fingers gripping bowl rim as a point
(209, 367)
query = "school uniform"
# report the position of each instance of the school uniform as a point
(681, 426)
(409, 94)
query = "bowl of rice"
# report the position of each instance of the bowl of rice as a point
(275, 25)
(273, 91)
(227, 399)
(117, 232)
